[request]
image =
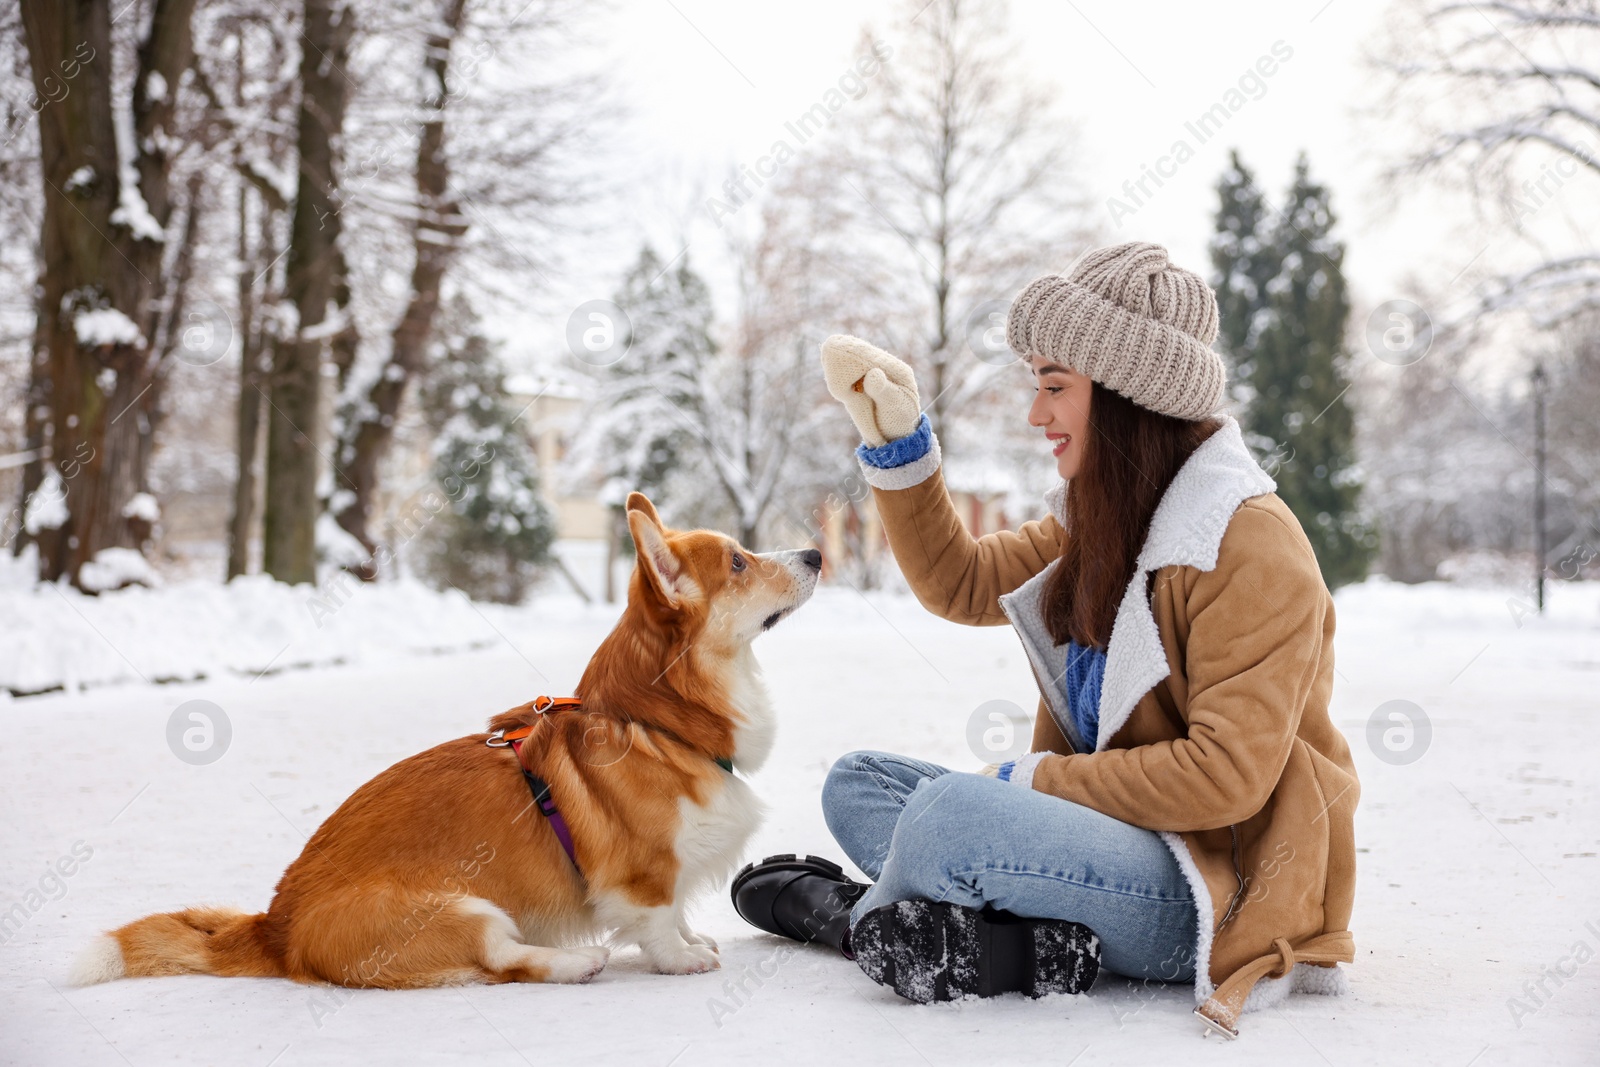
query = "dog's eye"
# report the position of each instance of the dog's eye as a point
(738, 562)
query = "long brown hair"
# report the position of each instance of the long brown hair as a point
(1130, 457)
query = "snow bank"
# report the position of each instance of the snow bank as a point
(54, 637)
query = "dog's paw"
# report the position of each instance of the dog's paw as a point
(700, 939)
(575, 966)
(690, 959)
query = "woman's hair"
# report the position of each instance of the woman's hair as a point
(1130, 457)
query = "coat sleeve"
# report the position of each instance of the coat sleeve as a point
(1255, 643)
(954, 575)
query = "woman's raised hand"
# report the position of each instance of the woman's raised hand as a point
(878, 390)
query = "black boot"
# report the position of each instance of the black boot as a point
(806, 898)
(927, 951)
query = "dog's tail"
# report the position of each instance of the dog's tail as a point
(220, 941)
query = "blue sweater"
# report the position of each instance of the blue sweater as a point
(1086, 671)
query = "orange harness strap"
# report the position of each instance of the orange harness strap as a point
(542, 705)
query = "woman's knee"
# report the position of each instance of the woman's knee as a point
(839, 788)
(846, 768)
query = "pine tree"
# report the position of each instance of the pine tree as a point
(638, 431)
(1297, 381)
(497, 530)
(1243, 262)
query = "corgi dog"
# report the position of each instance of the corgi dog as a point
(446, 869)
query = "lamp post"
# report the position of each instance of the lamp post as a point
(1540, 385)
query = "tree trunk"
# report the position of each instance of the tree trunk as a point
(251, 398)
(102, 252)
(35, 427)
(435, 234)
(248, 444)
(254, 290)
(312, 283)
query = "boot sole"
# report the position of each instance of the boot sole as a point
(929, 952)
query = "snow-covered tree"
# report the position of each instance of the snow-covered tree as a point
(115, 242)
(956, 179)
(462, 131)
(1449, 453)
(1242, 264)
(496, 531)
(1503, 100)
(723, 422)
(637, 433)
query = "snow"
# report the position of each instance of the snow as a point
(134, 213)
(1478, 866)
(105, 326)
(53, 636)
(282, 182)
(79, 179)
(332, 325)
(47, 507)
(142, 506)
(336, 545)
(113, 568)
(131, 211)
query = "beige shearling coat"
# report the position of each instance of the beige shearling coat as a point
(1214, 727)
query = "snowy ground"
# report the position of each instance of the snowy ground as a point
(1479, 867)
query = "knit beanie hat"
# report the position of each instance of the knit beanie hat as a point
(1129, 320)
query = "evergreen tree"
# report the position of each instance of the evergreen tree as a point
(1243, 262)
(497, 530)
(639, 431)
(1296, 376)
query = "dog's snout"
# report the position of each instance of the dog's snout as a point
(812, 558)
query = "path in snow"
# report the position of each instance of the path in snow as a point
(1478, 865)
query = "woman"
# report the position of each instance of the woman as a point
(1185, 813)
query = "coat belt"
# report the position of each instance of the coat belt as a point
(1221, 1010)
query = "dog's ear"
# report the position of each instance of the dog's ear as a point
(662, 570)
(640, 502)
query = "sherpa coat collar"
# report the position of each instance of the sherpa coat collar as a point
(1186, 530)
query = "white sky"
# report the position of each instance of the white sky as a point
(710, 83)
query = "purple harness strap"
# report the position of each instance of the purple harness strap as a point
(547, 807)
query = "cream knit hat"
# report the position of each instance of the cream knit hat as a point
(1129, 320)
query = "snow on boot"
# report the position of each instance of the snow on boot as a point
(928, 951)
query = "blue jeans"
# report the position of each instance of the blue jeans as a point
(924, 832)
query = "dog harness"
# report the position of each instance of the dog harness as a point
(540, 788)
(512, 739)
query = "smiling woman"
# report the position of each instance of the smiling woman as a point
(1180, 634)
(1061, 405)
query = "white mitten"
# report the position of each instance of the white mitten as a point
(878, 390)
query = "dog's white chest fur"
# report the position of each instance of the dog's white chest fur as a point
(712, 836)
(757, 729)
